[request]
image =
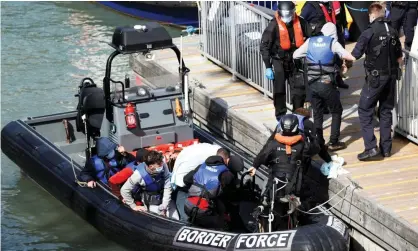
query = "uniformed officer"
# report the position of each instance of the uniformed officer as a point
(403, 13)
(383, 51)
(322, 68)
(284, 34)
(319, 13)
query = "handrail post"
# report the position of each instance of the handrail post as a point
(233, 41)
(203, 20)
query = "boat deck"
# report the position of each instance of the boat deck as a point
(392, 182)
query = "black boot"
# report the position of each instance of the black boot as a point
(368, 154)
(336, 146)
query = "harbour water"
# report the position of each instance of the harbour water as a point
(46, 49)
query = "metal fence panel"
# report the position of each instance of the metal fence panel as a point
(231, 36)
(407, 100)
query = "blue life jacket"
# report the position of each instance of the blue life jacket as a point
(319, 57)
(103, 171)
(152, 193)
(152, 184)
(206, 181)
(132, 166)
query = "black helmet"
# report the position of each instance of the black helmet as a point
(286, 10)
(289, 125)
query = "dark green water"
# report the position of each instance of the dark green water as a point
(46, 48)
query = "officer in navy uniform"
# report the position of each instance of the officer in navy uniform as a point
(403, 13)
(320, 52)
(284, 34)
(383, 51)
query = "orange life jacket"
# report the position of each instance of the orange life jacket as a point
(284, 33)
(288, 141)
(335, 9)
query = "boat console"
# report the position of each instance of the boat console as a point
(137, 116)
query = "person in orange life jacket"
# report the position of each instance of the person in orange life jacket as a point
(284, 34)
(204, 204)
(109, 160)
(290, 147)
(151, 179)
(319, 13)
(320, 52)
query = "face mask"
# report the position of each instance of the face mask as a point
(111, 154)
(113, 162)
(286, 15)
(159, 169)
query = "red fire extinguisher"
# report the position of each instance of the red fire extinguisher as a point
(130, 116)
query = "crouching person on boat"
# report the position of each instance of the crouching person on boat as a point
(118, 179)
(151, 181)
(204, 205)
(286, 155)
(109, 160)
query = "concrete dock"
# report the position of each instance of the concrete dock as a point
(382, 210)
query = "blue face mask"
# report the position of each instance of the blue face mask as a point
(113, 162)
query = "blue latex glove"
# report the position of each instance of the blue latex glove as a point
(346, 34)
(269, 74)
(325, 168)
(387, 13)
(190, 30)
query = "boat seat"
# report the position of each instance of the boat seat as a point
(92, 104)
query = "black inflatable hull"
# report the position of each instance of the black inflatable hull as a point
(48, 166)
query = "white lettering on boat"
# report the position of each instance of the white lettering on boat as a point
(282, 240)
(205, 239)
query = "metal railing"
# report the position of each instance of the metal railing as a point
(231, 35)
(406, 109)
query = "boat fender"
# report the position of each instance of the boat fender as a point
(196, 238)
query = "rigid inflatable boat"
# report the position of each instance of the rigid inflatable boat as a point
(52, 150)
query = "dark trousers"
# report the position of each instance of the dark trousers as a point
(180, 196)
(212, 219)
(380, 89)
(326, 95)
(406, 17)
(279, 89)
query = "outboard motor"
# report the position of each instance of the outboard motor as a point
(90, 110)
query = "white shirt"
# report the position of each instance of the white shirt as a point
(189, 158)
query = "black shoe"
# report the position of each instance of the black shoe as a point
(343, 85)
(368, 154)
(386, 155)
(336, 146)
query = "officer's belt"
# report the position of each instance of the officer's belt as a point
(376, 73)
